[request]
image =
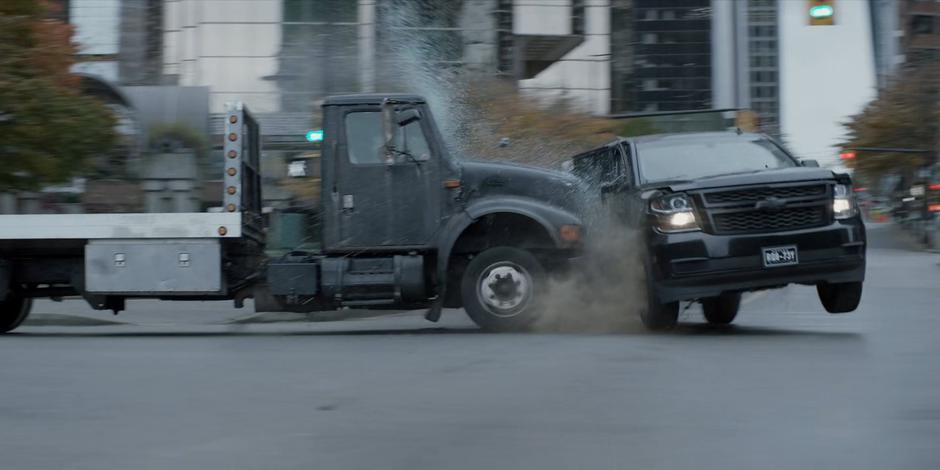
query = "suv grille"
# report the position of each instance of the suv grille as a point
(756, 221)
(735, 210)
(758, 194)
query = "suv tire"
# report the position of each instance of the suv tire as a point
(722, 309)
(840, 298)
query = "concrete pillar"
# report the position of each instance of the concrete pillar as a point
(29, 203)
(153, 195)
(182, 194)
(367, 48)
(7, 203)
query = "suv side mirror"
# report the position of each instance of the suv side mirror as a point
(809, 163)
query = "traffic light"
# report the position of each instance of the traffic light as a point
(314, 136)
(821, 12)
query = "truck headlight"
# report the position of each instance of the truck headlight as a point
(674, 213)
(843, 204)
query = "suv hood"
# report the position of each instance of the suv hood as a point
(785, 175)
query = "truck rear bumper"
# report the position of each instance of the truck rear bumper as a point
(695, 265)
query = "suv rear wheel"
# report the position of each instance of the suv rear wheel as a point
(13, 310)
(721, 310)
(659, 317)
(840, 298)
(501, 288)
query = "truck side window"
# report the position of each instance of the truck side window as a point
(364, 137)
(411, 139)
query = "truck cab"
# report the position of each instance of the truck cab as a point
(404, 224)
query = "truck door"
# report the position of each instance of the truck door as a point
(382, 204)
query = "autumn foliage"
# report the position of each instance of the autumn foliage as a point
(48, 128)
(906, 115)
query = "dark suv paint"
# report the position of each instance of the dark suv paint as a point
(770, 222)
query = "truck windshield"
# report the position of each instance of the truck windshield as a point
(666, 160)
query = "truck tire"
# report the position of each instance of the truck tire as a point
(840, 298)
(13, 311)
(721, 310)
(501, 288)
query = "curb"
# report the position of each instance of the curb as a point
(55, 319)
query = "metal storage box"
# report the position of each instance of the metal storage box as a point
(139, 267)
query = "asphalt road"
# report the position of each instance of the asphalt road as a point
(788, 386)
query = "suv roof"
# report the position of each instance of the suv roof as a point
(694, 136)
(371, 98)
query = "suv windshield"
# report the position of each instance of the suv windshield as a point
(663, 160)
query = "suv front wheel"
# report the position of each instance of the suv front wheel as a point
(841, 297)
(721, 310)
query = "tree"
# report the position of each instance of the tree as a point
(48, 129)
(905, 115)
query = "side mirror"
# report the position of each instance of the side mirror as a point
(408, 116)
(389, 125)
(809, 163)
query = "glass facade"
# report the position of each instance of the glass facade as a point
(320, 52)
(661, 55)
(763, 60)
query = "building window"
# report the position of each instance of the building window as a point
(319, 53)
(922, 24)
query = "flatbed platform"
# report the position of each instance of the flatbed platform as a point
(121, 226)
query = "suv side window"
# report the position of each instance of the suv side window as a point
(599, 167)
(625, 156)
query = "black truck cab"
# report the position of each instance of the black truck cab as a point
(406, 224)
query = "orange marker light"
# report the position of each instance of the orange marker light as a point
(570, 233)
(933, 207)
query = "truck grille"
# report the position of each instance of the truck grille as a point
(736, 210)
(757, 221)
(754, 195)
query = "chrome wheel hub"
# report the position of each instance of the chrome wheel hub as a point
(504, 289)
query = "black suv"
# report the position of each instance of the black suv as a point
(723, 213)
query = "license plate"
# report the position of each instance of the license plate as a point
(780, 256)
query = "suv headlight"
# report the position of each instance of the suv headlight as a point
(674, 213)
(843, 202)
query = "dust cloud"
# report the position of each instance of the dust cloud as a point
(604, 293)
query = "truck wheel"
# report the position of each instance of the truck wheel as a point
(721, 310)
(13, 311)
(500, 289)
(840, 298)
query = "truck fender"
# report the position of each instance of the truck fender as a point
(549, 217)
